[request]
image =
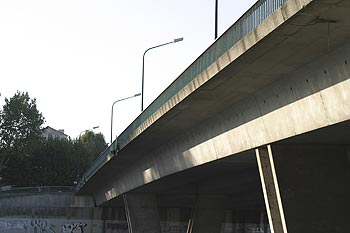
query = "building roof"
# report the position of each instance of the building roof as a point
(49, 131)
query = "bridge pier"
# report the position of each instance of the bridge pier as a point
(270, 189)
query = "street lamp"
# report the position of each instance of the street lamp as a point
(216, 19)
(143, 64)
(138, 94)
(78, 175)
(95, 127)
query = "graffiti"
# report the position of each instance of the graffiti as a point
(73, 227)
(117, 226)
(173, 227)
(244, 227)
(30, 212)
(41, 226)
(6, 226)
(257, 229)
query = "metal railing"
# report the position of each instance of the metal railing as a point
(261, 10)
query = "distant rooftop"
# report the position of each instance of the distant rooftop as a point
(51, 132)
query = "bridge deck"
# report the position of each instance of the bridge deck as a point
(232, 69)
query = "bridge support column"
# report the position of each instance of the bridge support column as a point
(207, 215)
(271, 191)
(142, 213)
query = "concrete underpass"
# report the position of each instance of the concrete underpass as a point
(313, 171)
(252, 137)
(257, 141)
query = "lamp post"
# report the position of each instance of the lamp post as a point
(143, 64)
(216, 19)
(95, 127)
(138, 94)
(78, 175)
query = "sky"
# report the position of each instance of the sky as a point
(76, 57)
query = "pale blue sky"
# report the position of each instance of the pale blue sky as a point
(77, 57)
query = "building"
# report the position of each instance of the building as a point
(50, 132)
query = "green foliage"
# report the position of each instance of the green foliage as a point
(27, 159)
(55, 163)
(20, 132)
(90, 145)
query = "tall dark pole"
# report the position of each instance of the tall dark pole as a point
(216, 19)
(143, 75)
(112, 122)
(143, 65)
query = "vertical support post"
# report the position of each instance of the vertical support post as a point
(193, 216)
(270, 189)
(127, 213)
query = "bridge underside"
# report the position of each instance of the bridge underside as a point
(290, 83)
(313, 171)
(264, 143)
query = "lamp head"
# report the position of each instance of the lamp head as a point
(178, 39)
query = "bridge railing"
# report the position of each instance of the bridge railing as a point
(252, 18)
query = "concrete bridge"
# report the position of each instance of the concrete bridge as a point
(253, 137)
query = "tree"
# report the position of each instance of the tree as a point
(31, 160)
(53, 163)
(20, 132)
(57, 162)
(88, 147)
(94, 143)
